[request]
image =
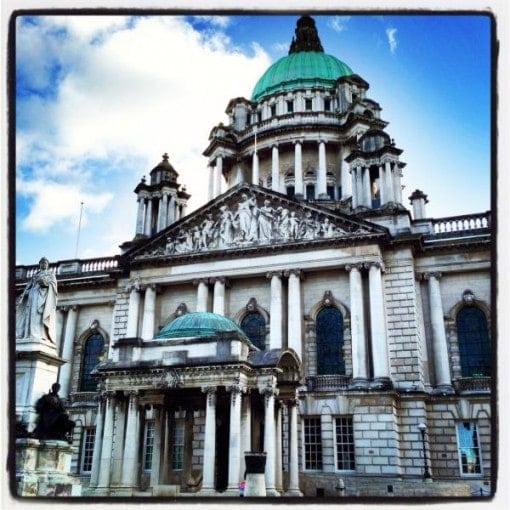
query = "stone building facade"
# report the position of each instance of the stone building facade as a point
(330, 320)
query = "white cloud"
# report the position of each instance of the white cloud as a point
(392, 39)
(57, 203)
(217, 21)
(338, 23)
(138, 90)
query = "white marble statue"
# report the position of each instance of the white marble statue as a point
(36, 307)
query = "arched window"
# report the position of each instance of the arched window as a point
(254, 325)
(93, 349)
(329, 327)
(473, 338)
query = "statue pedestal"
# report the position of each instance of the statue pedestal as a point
(43, 468)
(37, 365)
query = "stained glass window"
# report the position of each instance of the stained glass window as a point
(254, 325)
(93, 349)
(473, 341)
(330, 339)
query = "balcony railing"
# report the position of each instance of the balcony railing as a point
(465, 223)
(327, 382)
(473, 384)
(72, 267)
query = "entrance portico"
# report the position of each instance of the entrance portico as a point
(198, 398)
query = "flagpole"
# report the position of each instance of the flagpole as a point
(79, 228)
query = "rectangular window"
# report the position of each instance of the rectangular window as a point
(330, 190)
(469, 448)
(308, 104)
(290, 106)
(313, 444)
(273, 110)
(344, 437)
(327, 104)
(148, 445)
(87, 448)
(310, 192)
(178, 446)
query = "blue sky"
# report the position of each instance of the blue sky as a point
(101, 98)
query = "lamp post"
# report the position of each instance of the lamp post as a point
(426, 473)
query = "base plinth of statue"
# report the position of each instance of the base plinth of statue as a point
(43, 468)
(255, 485)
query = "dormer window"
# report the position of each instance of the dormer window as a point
(308, 105)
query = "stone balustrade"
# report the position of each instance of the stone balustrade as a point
(327, 382)
(464, 223)
(72, 267)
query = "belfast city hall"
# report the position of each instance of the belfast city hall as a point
(308, 312)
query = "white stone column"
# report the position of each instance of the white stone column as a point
(275, 169)
(276, 311)
(118, 447)
(148, 218)
(383, 193)
(210, 189)
(367, 192)
(163, 213)
(157, 448)
(218, 175)
(166, 446)
(255, 173)
(131, 445)
(293, 489)
(270, 441)
(298, 169)
(98, 442)
(279, 448)
(354, 181)
(202, 295)
(171, 210)
(390, 194)
(378, 325)
(106, 447)
(64, 377)
(294, 335)
(209, 441)
(245, 430)
(149, 309)
(219, 296)
(133, 312)
(321, 191)
(440, 347)
(234, 447)
(397, 186)
(359, 186)
(140, 215)
(359, 350)
(346, 180)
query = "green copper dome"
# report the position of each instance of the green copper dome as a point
(298, 70)
(199, 324)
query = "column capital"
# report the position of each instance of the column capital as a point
(235, 389)
(201, 280)
(357, 266)
(63, 308)
(107, 395)
(210, 394)
(428, 275)
(221, 279)
(274, 145)
(375, 263)
(298, 141)
(296, 272)
(269, 391)
(270, 274)
(291, 402)
(133, 285)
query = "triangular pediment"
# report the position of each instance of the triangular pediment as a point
(252, 217)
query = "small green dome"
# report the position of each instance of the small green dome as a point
(199, 324)
(298, 70)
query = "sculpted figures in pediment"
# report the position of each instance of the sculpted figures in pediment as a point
(248, 223)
